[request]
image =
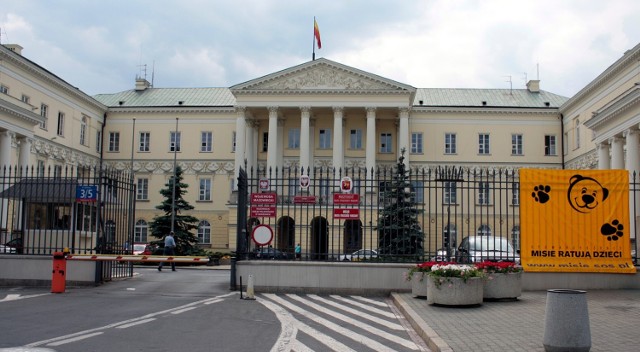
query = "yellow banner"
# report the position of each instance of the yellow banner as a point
(575, 221)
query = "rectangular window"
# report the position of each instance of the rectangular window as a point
(450, 143)
(25, 99)
(265, 141)
(86, 215)
(325, 189)
(383, 188)
(294, 138)
(385, 143)
(483, 143)
(83, 130)
(114, 141)
(416, 143)
(450, 193)
(204, 232)
(577, 135)
(483, 193)
(144, 144)
(325, 139)
(60, 130)
(98, 141)
(233, 142)
(516, 144)
(515, 193)
(4, 89)
(40, 168)
(205, 189)
(175, 142)
(142, 191)
(417, 190)
(355, 139)
(550, 145)
(206, 142)
(44, 112)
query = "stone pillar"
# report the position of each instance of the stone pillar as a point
(240, 143)
(251, 152)
(305, 138)
(370, 159)
(403, 135)
(617, 153)
(272, 146)
(280, 146)
(6, 138)
(25, 154)
(338, 149)
(604, 160)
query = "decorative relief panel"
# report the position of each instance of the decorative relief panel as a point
(324, 78)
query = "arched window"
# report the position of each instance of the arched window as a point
(140, 234)
(204, 232)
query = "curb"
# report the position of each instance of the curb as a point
(430, 337)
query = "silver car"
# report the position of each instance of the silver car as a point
(361, 254)
(6, 249)
(475, 249)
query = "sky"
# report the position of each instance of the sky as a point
(102, 46)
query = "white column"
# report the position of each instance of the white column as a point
(272, 146)
(604, 160)
(370, 156)
(25, 154)
(403, 135)
(338, 150)
(5, 149)
(617, 153)
(305, 115)
(280, 145)
(312, 143)
(240, 143)
(251, 145)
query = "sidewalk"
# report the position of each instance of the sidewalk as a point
(614, 317)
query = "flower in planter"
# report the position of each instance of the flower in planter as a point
(444, 272)
(491, 267)
(422, 268)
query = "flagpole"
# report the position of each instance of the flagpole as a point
(313, 40)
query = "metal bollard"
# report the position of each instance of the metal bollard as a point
(59, 273)
(566, 325)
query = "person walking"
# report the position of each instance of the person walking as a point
(169, 250)
(298, 251)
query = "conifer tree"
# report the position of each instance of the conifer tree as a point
(399, 234)
(160, 226)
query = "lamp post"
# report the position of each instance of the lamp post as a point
(173, 195)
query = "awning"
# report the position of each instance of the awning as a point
(43, 190)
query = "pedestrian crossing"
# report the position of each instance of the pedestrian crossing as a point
(338, 323)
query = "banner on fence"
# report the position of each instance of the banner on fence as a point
(575, 221)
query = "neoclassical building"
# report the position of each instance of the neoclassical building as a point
(317, 114)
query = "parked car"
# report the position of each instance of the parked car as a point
(271, 253)
(6, 249)
(475, 249)
(139, 248)
(441, 255)
(360, 254)
(16, 244)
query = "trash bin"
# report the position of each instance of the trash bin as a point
(566, 324)
(59, 276)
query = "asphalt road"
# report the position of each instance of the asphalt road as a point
(190, 309)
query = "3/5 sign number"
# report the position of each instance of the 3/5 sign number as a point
(86, 193)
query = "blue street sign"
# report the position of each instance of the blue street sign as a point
(86, 193)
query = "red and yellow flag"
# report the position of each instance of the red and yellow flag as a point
(316, 33)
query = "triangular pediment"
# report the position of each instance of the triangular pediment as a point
(322, 75)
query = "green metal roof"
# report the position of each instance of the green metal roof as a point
(519, 98)
(169, 97)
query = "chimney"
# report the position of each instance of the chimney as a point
(15, 48)
(534, 86)
(142, 84)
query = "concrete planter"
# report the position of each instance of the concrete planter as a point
(455, 291)
(503, 286)
(419, 285)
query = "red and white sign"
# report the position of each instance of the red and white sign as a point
(346, 198)
(346, 184)
(305, 199)
(305, 181)
(262, 235)
(346, 213)
(264, 198)
(263, 211)
(264, 184)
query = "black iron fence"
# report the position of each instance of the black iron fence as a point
(84, 210)
(335, 214)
